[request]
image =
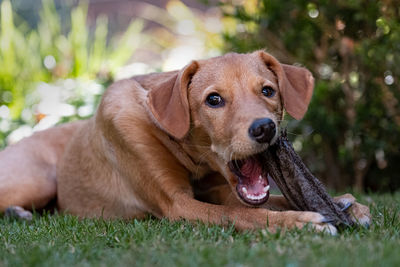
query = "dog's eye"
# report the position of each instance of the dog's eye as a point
(214, 100)
(268, 91)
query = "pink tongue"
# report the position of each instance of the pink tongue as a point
(251, 171)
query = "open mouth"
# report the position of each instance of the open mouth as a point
(253, 186)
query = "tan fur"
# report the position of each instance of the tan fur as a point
(152, 137)
(28, 168)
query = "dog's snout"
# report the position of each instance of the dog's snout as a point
(262, 130)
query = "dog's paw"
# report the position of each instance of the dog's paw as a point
(301, 219)
(17, 212)
(359, 213)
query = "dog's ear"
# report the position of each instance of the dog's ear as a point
(168, 101)
(296, 85)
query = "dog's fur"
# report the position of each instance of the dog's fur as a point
(154, 143)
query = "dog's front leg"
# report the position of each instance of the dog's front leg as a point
(186, 207)
(182, 205)
(222, 194)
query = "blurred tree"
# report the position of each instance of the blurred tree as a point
(52, 50)
(351, 134)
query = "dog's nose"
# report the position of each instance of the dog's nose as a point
(262, 130)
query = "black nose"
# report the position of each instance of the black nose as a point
(262, 130)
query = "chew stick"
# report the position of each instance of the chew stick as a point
(302, 189)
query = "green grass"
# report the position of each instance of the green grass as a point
(57, 240)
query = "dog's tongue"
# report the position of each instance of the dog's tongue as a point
(250, 168)
(253, 185)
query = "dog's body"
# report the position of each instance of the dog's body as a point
(154, 136)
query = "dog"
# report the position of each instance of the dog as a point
(178, 144)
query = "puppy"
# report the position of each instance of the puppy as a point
(157, 139)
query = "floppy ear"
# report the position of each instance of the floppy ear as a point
(296, 85)
(168, 101)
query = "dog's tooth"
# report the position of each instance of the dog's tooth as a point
(258, 197)
(260, 177)
(244, 190)
(266, 189)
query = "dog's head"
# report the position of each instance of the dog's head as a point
(234, 105)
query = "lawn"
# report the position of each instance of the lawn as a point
(57, 240)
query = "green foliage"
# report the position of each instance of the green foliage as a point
(64, 240)
(352, 130)
(55, 50)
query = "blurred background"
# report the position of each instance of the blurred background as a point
(57, 57)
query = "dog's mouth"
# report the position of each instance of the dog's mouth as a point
(253, 185)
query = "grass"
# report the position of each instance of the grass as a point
(63, 240)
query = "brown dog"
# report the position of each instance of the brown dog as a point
(180, 144)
